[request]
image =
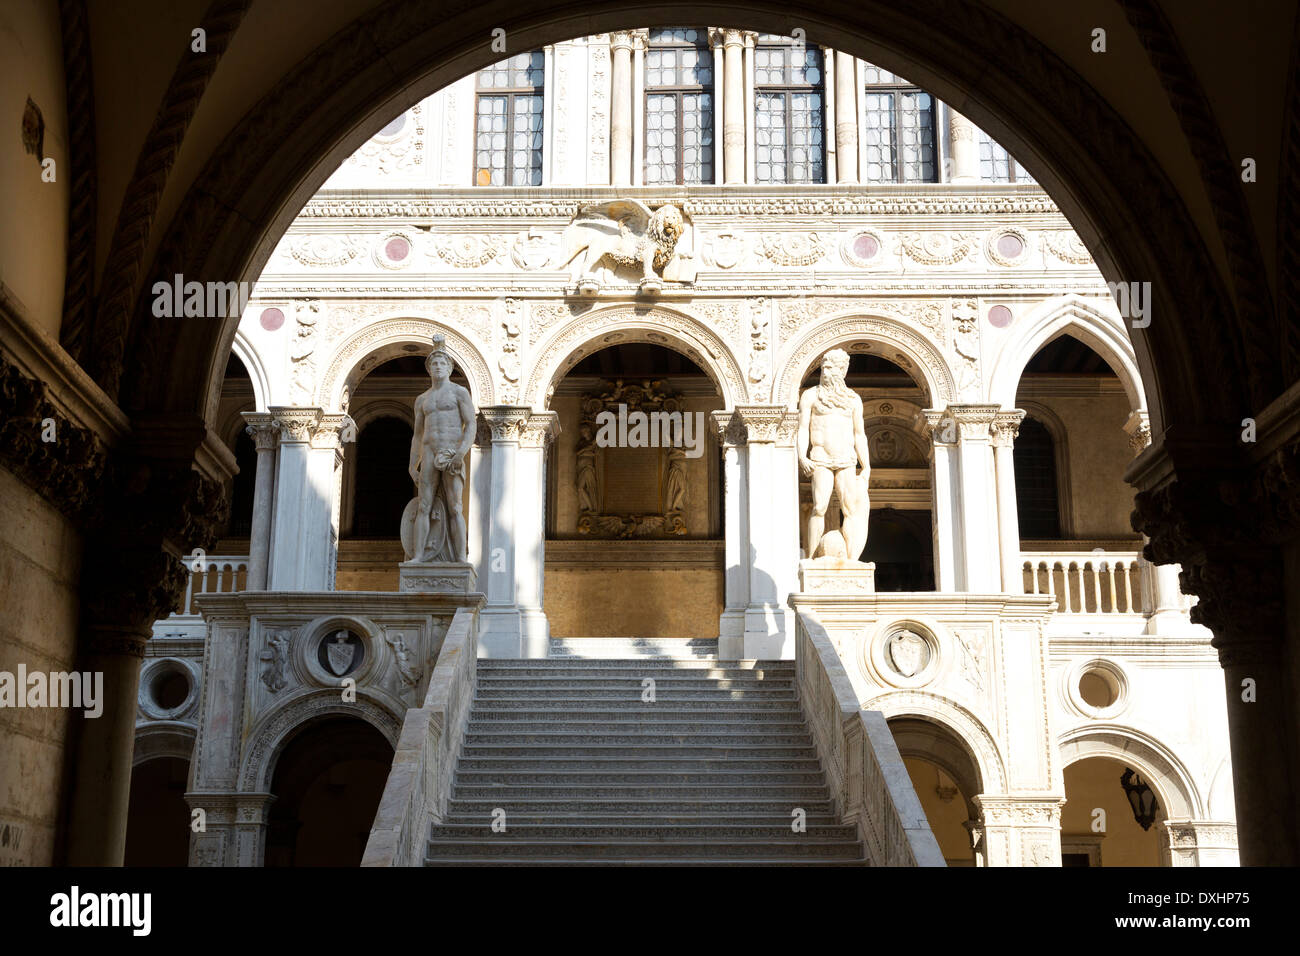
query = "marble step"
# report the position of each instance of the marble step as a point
(616, 763)
(651, 777)
(630, 681)
(646, 751)
(697, 833)
(550, 706)
(583, 664)
(794, 795)
(644, 723)
(681, 818)
(609, 860)
(641, 807)
(631, 670)
(607, 647)
(632, 692)
(581, 738)
(505, 846)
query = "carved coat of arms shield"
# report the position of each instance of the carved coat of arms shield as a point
(340, 652)
(908, 652)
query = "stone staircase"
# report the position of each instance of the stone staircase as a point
(587, 773)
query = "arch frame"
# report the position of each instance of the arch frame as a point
(164, 738)
(1179, 796)
(958, 721)
(1080, 318)
(1061, 456)
(622, 324)
(878, 328)
(244, 350)
(343, 369)
(273, 732)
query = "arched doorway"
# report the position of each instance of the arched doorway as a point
(634, 513)
(1098, 824)
(158, 818)
(327, 782)
(945, 777)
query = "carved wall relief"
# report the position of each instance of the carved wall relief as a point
(620, 498)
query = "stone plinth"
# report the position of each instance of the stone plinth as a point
(436, 577)
(835, 575)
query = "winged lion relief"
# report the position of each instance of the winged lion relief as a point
(626, 234)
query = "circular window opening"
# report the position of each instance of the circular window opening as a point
(170, 689)
(1098, 688)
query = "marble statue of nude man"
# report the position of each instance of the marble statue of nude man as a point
(444, 432)
(832, 447)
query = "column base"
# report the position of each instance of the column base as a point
(509, 632)
(731, 635)
(769, 635)
(436, 577)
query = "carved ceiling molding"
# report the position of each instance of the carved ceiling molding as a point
(599, 329)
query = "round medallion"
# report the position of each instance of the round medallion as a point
(272, 319)
(340, 652)
(999, 316)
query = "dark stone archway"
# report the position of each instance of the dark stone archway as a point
(1211, 356)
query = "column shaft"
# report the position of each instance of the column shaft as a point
(846, 118)
(620, 119)
(264, 435)
(733, 85)
(964, 149)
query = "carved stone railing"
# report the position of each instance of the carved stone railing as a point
(1088, 582)
(419, 784)
(869, 782)
(209, 574)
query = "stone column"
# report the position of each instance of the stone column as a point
(513, 623)
(620, 116)
(750, 151)
(169, 498)
(943, 485)
(265, 435)
(772, 497)
(1006, 425)
(1020, 830)
(716, 37)
(733, 86)
(640, 39)
(846, 118)
(964, 149)
(731, 626)
(301, 556)
(234, 832)
(979, 569)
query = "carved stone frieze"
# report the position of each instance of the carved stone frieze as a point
(468, 250)
(936, 248)
(792, 248)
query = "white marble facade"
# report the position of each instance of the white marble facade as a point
(958, 282)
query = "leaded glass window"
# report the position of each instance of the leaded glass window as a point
(508, 122)
(899, 130)
(997, 165)
(789, 113)
(678, 107)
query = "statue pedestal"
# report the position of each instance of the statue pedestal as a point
(837, 575)
(436, 577)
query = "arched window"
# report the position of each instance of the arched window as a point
(383, 485)
(1037, 504)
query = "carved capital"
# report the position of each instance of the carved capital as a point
(540, 429)
(729, 428)
(1006, 427)
(262, 429)
(506, 423)
(766, 423)
(1138, 429)
(296, 424)
(974, 422)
